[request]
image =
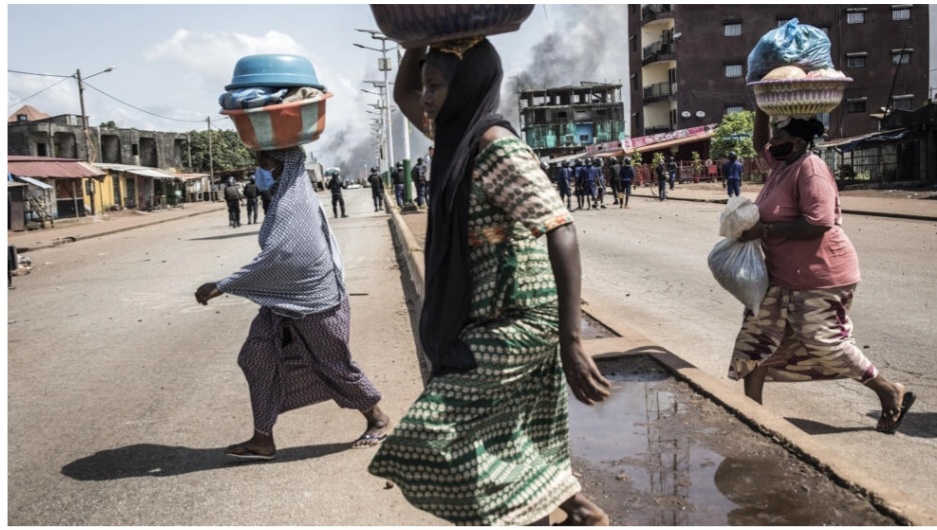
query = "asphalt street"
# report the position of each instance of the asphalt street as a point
(123, 391)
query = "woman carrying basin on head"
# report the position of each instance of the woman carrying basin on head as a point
(802, 331)
(487, 442)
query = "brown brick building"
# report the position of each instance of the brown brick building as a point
(688, 62)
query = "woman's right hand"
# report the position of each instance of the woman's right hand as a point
(752, 233)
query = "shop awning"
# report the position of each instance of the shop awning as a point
(671, 143)
(866, 140)
(191, 176)
(51, 168)
(37, 183)
(141, 171)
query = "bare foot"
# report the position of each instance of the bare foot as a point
(580, 511)
(378, 427)
(259, 447)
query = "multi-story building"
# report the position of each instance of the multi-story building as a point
(35, 134)
(564, 120)
(688, 62)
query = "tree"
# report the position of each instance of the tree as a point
(227, 151)
(637, 158)
(734, 133)
(658, 159)
(108, 125)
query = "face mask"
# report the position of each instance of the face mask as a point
(781, 151)
(263, 179)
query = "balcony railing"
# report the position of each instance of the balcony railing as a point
(657, 129)
(656, 11)
(656, 51)
(659, 90)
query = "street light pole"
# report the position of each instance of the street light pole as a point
(85, 131)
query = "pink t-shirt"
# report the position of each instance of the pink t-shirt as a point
(806, 189)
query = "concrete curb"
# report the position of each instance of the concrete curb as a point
(75, 239)
(888, 499)
(893, 215)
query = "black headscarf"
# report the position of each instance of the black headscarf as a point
(805, 129)
(469, 110)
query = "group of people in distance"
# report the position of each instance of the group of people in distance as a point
(588, 180)
(487, 441)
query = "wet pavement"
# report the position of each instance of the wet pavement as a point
(657, 453)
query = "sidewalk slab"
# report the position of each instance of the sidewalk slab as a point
(70, 231)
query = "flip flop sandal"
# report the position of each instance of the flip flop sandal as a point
(247, 454)
(906, 403)
(373, 439)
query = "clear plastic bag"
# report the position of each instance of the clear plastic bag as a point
(739, 215)
(739, 267)
(791, 44)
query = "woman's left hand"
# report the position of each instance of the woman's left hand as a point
(583, 376)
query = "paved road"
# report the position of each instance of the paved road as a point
(123, 391)
(648, 265)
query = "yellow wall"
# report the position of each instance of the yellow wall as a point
(103, 192)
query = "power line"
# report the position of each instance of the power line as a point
(143, 110)
(40, 92)
(34, 73)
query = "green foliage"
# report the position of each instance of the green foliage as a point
(227, 151)
(734, 133)
(658, 158)
(637, 158)
(108, 125)
(697, 163)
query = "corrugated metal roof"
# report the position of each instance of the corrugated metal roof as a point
(151, 172)
(50, 168)
(37, 183)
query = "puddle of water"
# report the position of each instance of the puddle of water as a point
(593, 329)
(657, 453)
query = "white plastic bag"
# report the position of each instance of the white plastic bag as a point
(739, 215)
(739, 267)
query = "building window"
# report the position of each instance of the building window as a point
(855, 105)
(733, 29)
(855, 16)
(825, 120)
(732, 109)
(901, 12)
(561, 115)
(583, 139)
(733, 70)
(825, 29)
(902, 102)
(901, 56)
(856, 60)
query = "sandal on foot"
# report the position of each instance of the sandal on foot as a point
(906, 403)
(241, 451)
(368, 440)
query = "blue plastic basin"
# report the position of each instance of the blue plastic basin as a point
(274, 70)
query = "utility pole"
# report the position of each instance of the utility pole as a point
(87, 136)
(211, 162)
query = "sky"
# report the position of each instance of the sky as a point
(172, 61)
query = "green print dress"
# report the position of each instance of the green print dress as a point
(490, 446)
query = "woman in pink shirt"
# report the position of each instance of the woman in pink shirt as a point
(802, 331)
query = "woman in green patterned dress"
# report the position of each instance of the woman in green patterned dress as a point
(487, 442)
